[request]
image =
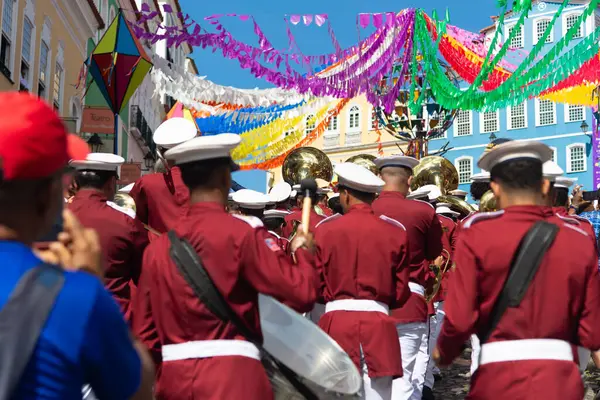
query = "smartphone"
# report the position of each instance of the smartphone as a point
(590, 196)
(52, 235)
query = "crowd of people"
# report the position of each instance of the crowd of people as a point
(393, 275)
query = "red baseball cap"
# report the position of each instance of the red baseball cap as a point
(34, 142)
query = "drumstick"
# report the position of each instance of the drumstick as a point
(308, 187)
(151, 230)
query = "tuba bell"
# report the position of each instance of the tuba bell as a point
(306, 162)
(438, 171)
(365, 160)
(488, 203)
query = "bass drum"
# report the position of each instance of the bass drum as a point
(316, 359)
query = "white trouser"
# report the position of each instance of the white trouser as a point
(475, 350)
(525, 349)
(376, 388)
(435, 326)
(209, 348)
(421, 364)
(410, 341)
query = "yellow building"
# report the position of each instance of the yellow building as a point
(43, 47)
(352, 132)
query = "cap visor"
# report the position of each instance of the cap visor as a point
(234, 166)
(77, 147)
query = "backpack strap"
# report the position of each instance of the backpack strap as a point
(22, 319)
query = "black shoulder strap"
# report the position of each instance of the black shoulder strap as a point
(190, 266)
(524, 266)
(22, 319)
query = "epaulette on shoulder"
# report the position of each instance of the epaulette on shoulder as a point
(392, 221)
(424, 202)
(250, 220)
(478, 217)
(328, 219)
(573, 227)
(569, 220)
(123, 210)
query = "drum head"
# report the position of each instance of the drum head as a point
(306, 349)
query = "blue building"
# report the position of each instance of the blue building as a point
(558, 125)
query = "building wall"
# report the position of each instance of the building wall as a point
(62, 27)
(345, 137)
(558, 127)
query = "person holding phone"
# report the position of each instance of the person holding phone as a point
(84, 338)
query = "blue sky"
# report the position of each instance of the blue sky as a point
(467, 14)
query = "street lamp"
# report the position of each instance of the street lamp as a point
(584, 127)
(95, 143)
(148, 160)
(492, 137)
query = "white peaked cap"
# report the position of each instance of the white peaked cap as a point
(458, 192)
(515, 150)
(434, 191)
(280, 192)
(332, 195)
(204, 148)
(276, 213)
(396, 161)
(420, 193)
(127, 188)
(98, 162)
(483, 176)
(250, 199)
(230, 196)
(294, 194)
(564, 182)
(174, 131)
(552, 170)
(359, 178)
(445, 210)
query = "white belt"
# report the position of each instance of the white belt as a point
(209, 348)
(416, 288)
(527, 349)
(357, 305)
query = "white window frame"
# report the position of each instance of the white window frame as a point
(554, 154)
(482, 123)
(13, 37)
(569, 166)
(564, 24)
(307, 127)
(31, 61)
(373, 120)
(357, 127)
(112, 13)
(457, 166)
(536, 39)
(455, 123)
(538, 115)
(508, 28)
(567, 116)
(509, 117)
(336, 127)
(60, 63)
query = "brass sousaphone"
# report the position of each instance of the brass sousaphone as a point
(364, 160)
(488, 203)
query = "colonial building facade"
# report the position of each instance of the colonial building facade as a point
(560, 126)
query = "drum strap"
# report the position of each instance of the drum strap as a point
(190, 266)
(21, 322)
(524, 266)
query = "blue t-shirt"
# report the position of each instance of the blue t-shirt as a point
(85, 339)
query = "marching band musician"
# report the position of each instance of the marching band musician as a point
(425, 244)
(280, 195)
(295, 217)
(530, 352)
(274, 221)
(123, 238)
(250, 202)
(561, 194)
(360, 286)
(480, 184)
(161, 198)
(204, 357)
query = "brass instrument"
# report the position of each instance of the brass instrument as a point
(125, 201)
(438, 171)
(439, 275)
(435, 170)
(365, 160)
(306, 162)
(488, 202)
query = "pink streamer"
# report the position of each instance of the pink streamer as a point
(295, 19)
(308, 19)
(320, 19)
(364, 20)
(378, 20)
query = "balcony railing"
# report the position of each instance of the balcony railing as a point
(138, 122)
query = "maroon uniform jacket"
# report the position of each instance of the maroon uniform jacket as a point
(562, 302)
(296, 215)
(123, 241)
(160, 199)
(425, 244)
(448, 243)
(243, 260)
(362, 256)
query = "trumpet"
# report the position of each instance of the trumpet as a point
(439, 275)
